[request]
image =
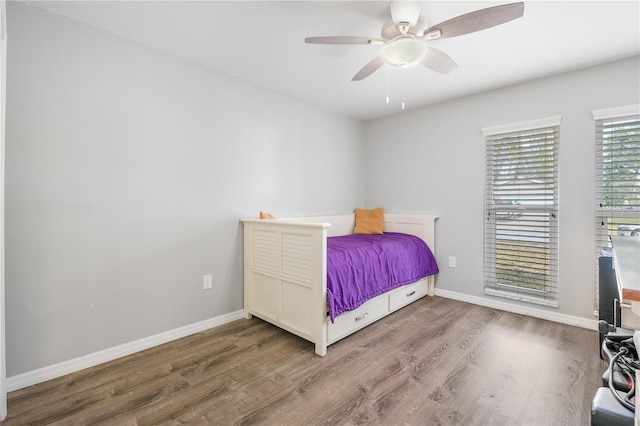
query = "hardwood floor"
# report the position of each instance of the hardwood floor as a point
(435, 362)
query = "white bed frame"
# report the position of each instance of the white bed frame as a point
(285, 275)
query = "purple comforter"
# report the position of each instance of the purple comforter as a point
(360, 267)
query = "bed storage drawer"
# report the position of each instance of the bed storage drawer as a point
(407, 294)
(354, 320)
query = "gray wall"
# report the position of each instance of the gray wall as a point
(127, 170)
(436, 164)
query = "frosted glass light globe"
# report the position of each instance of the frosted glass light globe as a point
(404, 52)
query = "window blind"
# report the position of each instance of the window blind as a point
(617, 174)
(521, 212)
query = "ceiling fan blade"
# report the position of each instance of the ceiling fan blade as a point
(476, 21)
(405, 11)
(339, 40)
(368, 69)
(438, 61)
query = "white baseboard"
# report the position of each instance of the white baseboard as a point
(590, 324)
(71, 366)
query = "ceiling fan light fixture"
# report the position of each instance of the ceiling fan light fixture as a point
(404, 52)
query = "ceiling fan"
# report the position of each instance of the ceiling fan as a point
(406, 35)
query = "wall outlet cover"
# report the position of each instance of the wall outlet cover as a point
(207, 282)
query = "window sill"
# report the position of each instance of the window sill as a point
(521, 297)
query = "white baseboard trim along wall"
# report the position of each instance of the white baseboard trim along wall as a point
(590, 324)
(73, 365)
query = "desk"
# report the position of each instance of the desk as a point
(626, 262)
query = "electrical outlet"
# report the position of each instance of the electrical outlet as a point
(207, 282)
(452, 262)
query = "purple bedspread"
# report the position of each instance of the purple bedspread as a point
(360, 267)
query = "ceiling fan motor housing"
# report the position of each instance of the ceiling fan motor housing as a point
(391, 31)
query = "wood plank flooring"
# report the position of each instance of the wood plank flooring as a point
(435, 362)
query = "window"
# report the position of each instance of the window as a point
(521, 211)
(617, 173)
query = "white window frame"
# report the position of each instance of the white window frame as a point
(604, 216)
(529, 209)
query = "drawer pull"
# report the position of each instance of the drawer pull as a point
(411, 294)
(363, 316)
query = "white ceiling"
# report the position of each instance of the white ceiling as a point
(263, 42)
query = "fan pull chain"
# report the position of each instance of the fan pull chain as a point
(386, 68)
(403, 89)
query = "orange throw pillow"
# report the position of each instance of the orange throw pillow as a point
(369, 221)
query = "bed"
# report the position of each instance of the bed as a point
(285, 275)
